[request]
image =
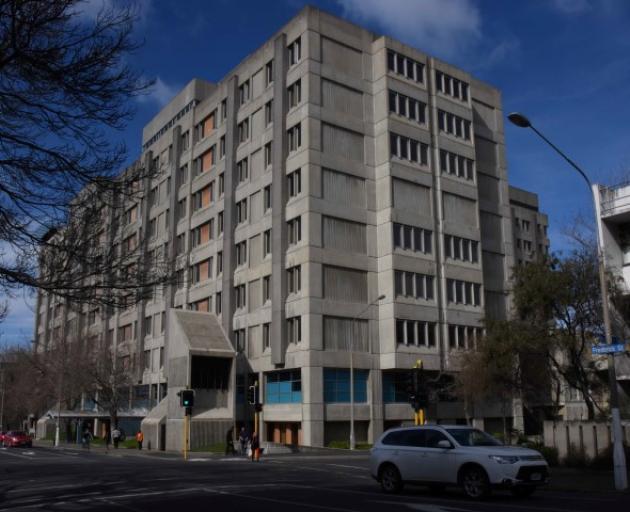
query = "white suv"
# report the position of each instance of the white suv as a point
(441, 455)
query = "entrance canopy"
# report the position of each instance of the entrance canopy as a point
(202, 333)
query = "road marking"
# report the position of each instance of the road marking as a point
(19, 456)
(426, 507)
(346, 466)
(328, 471)
(300, 504)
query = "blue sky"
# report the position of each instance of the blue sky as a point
(565, 63)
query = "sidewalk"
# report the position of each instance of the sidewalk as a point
(101, 449)
(581, 480)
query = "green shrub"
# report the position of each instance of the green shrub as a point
(339, 444)
(346, 445)
(211, 448)
(604, 459)
(548, 452)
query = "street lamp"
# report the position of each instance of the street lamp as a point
(619, 458)
(354, 330)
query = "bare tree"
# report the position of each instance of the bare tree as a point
(107, 377)
(65, 87)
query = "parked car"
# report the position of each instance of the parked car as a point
(16, 438)
(441, 456)
(2, 434)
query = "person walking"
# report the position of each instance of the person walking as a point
(139, 439)
(243, 438)
(86, 438)
(229, 442)
(116, 437)
(255, 445)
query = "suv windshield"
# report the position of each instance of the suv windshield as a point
(472, 437)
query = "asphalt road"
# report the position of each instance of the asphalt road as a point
(76, 480)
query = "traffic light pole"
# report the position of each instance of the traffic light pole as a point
(186, 433)
(418, 412)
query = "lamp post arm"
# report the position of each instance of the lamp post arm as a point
(559, 151)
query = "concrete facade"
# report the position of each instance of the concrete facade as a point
(614, 208)
(330, 167)
(529, 226)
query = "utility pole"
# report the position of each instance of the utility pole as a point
(354, 332)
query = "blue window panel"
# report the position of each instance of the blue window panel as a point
(284, 387)
(395, 387)
(337, 385)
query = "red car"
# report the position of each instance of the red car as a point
(15, 438)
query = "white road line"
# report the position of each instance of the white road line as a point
(362, 468)
(19, 456)
(299, 504)
(328, 471)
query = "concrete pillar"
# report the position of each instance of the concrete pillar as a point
(377, 408)
(313, 406)
(478, 423)
(278, 201)
(518, 421)
(438, 233)
(229, 222)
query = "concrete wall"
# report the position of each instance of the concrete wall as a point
(588, 437)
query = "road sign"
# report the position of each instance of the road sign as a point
(609, 349)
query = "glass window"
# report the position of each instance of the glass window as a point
(337, 385)
(433, 437)
(284, 387)
(472, 437)
(395, 386)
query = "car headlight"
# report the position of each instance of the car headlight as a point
(504, 459)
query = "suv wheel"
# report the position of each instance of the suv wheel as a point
(390, 479)
(475, 483)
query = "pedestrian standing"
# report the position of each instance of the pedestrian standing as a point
(229, 442)
(255, 446)
(86, 438)
(139, 439)
(116, 437)
(243, 438)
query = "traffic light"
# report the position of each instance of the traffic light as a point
(252, 397)
(187, 398)
(417, 389)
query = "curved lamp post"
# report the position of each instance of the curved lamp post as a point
(619, 458)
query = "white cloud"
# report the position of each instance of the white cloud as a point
(161, 93)
(572, 6)
(442, 27)
(497, 53)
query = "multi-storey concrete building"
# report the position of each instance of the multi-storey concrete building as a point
(331, 167)
(529, 226)
(614, 211)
